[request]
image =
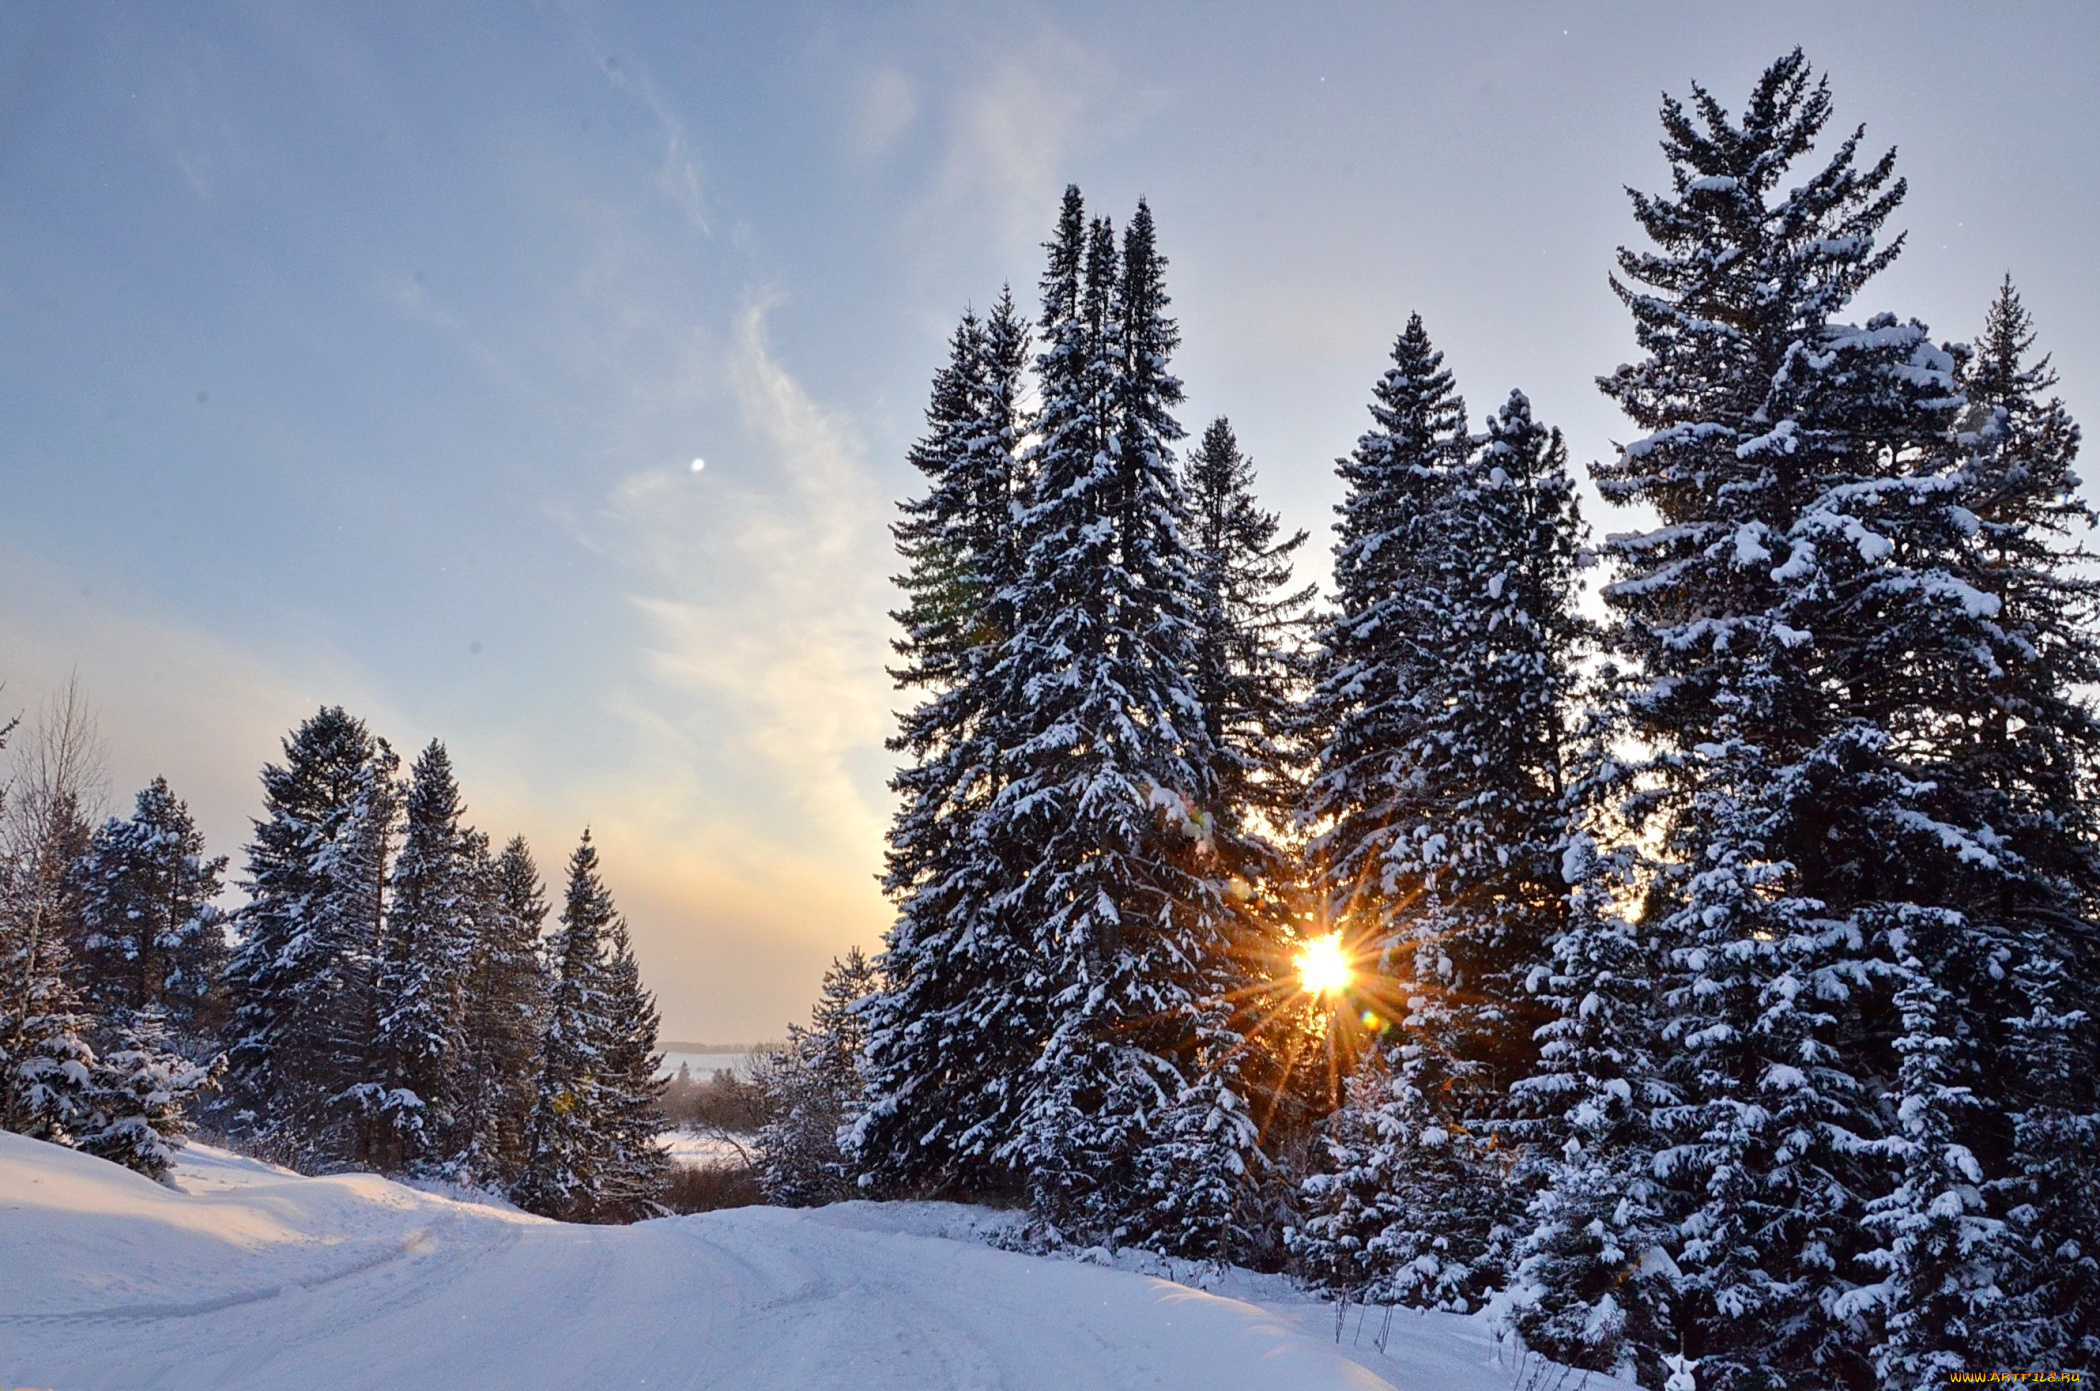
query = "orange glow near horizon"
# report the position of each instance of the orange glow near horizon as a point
(1323, 968)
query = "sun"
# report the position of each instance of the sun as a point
(1323, 968)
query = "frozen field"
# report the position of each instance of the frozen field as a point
(250, 1277)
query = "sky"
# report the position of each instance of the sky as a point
(361, 354)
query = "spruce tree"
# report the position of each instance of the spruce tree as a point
(128, 1102)
(1468, 873)
(1248, 626)
(1814, 651)
(563, 1174)
(504, 1012)
(418, 1062)
(152, 936)
(1986, 1250)
(814, 1089)
(633, 1168)
(1367, 661)
(300, 979)
(943, 1047)
(1109, 806)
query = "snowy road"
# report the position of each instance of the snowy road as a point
(256, 1278)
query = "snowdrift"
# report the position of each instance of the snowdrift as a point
(250, 1276)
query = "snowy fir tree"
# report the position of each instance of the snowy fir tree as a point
(417, 1053)
(633, 1168)
(47, 1082)
(1468, 823)
(590, 1139)
(814, 1089)
(129, 1102)
(1365, 667)
(1820, 642)
(1129, 1129)
(301, 978)
(943, 1048)
(152, 936)
(504, 1013)
(1248, 622)
(1987, 1256)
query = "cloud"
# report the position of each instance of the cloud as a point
(758, 707)
(889, 103)
(1010, 137)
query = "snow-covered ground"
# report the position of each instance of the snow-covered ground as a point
(250, 1276)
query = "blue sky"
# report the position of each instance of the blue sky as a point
(359, 353)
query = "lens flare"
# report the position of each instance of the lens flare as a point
(1323, 968)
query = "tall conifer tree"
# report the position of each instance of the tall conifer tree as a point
(1110, 804)
(153, 937)
(1469, 886)
(564, 1171)
(943, 1048)
(417, 1052)
(301, 978)
(505, 1011)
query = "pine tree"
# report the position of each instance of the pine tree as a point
(1109, 803)
(634, 1168)
(1469, 886)
(152, 937)
(814, 1089)
(417, 1050)
(563, 1175)
(301, 977)
(943, 1046)
(505, 1011)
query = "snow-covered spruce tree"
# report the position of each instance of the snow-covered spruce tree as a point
(1595, 1279)
(141, 1092)
(814, 1089)
(505, 1011)
(563, 1171)
(128, 1103)
(47, 1065)
(416, 1072)
(1988, 1253)
(1367, 662)
(633, 1167)
(1249, 622)
(300, 979)
(1469, 884)
(1130, 1130)
(152, 938)
(1811, 650)
(2035, 762)
(944, 1047)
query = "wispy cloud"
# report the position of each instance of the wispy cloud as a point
(1010, 136)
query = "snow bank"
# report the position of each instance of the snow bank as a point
(254, 1277)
